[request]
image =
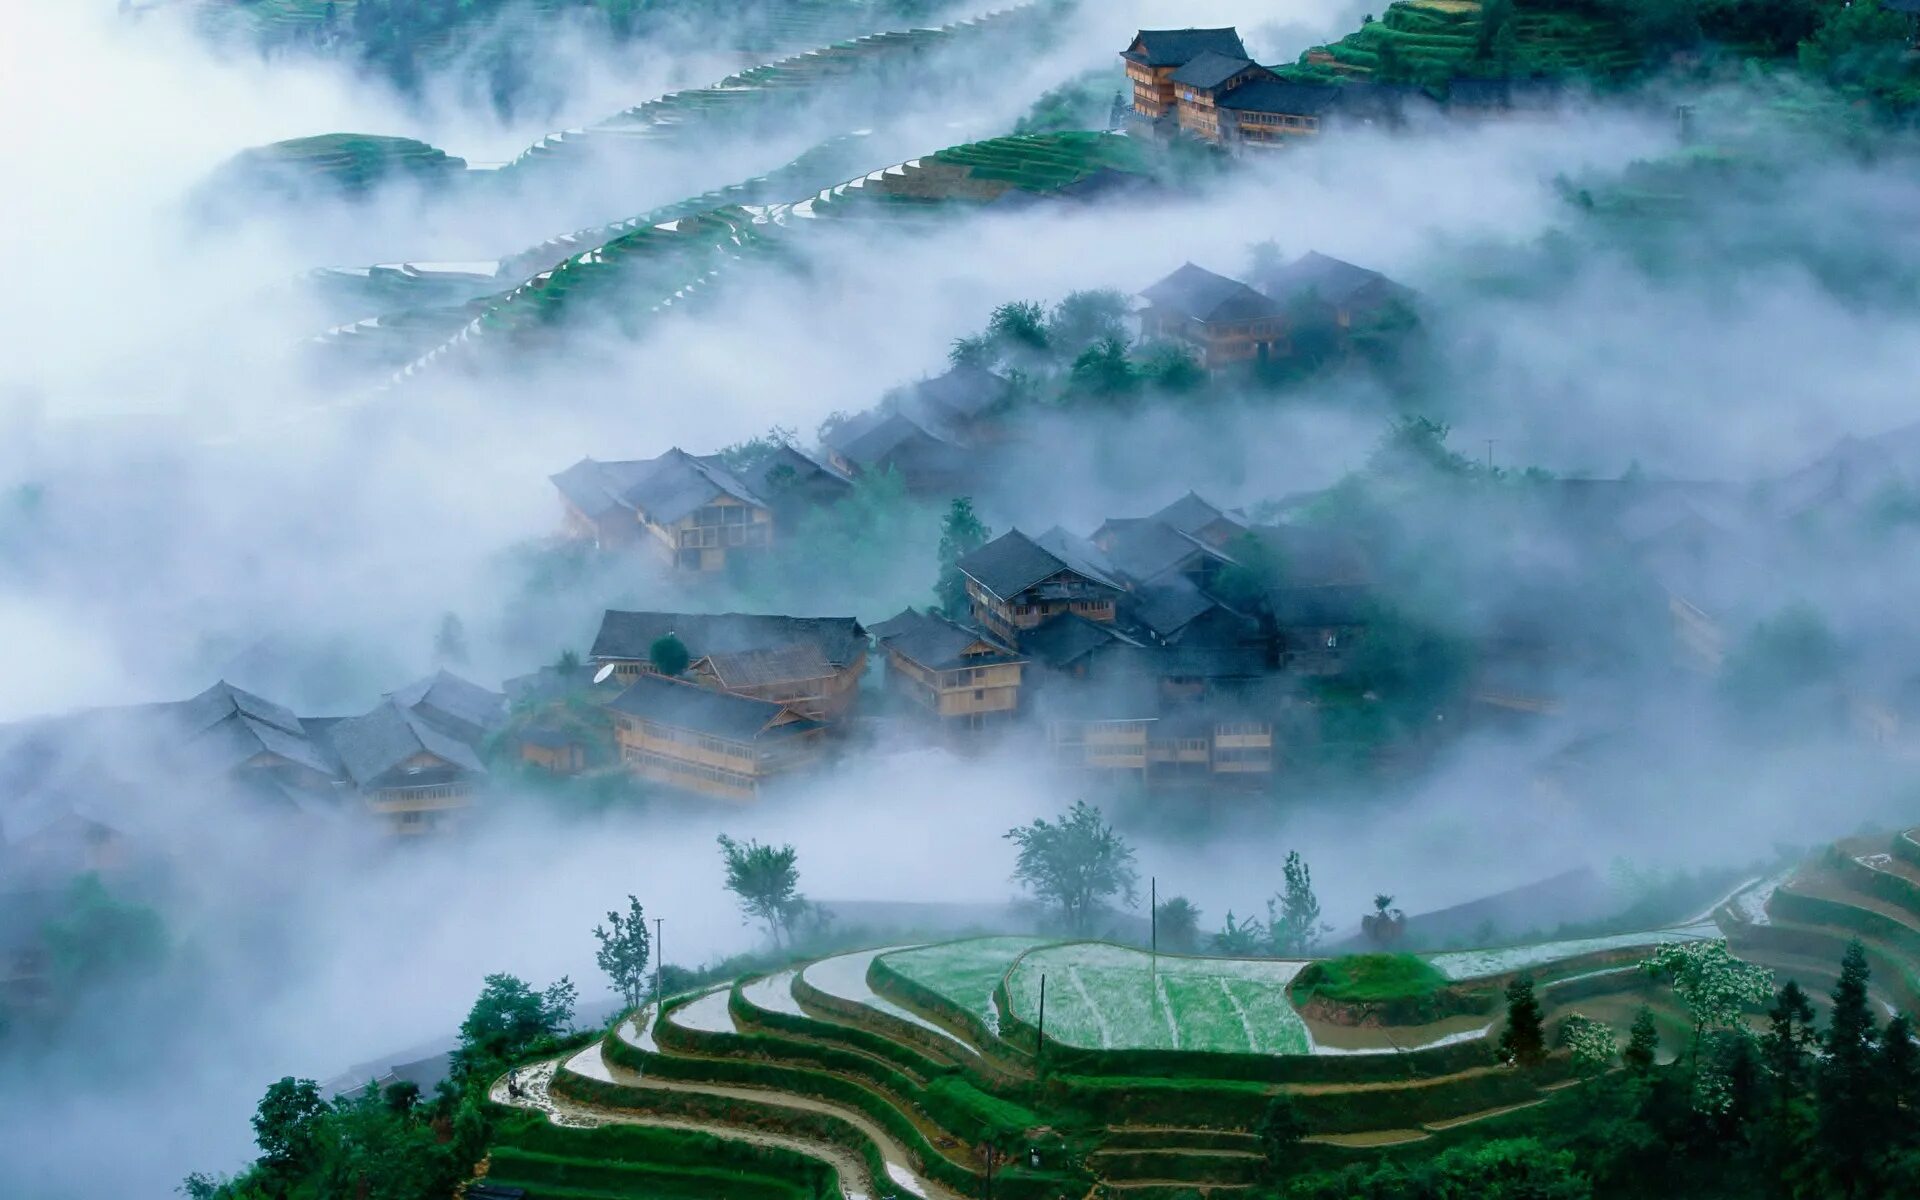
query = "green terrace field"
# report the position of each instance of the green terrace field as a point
(880, 1071)
(349, 164)
(1438, 39)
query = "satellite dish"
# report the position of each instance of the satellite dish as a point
(600, 676)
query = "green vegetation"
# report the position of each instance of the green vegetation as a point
(1369, 978)
(339, 164)
(766, 881)
(1074, 865)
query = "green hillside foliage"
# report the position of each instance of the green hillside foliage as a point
(332, 165)
(1366, 978)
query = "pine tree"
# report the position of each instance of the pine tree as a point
(1847, 1075)
(1524, 1042)
(1643, 1043)
(961, 533)
(1899, 1076)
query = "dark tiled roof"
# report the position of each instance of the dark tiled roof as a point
(1066, 639)
(780, 664)
(1280, 96)
(629, 636)
(455, 706)
(223, 700)
(371, 746)
(1191, 514)
(1174, 47)
(1147, 550)
(235, 741)
(1331, 279)
(1312, 606)
(1202, 662)
(1014, 562)
(939, 644)
(964, 393)
(665, 489)
(1166, 609)
(1209, 69)
(1206, 297)
(703, 710)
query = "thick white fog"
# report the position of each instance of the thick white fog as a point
(207, 506)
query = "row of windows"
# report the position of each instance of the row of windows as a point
(677, 767)
(733, 535)
(442, 792)
(1282, 119)
(721, 514)
(687, 737)
(1252, 754)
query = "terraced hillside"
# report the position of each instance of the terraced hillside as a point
(644, 269)
(1435, 40)
(894, 1068)
(347, 164)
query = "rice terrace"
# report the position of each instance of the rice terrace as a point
(1087, 1068)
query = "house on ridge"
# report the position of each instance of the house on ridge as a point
(1223, 319)
(1015, 583)
(964, 679)
(1154, 55)
(708, 742)
(692, 511)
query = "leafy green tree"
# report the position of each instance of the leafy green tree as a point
(1019, 324)
(1104, 372)
(1280, 1130)
(1294, 927)
(1178, 922)
(669, 656)
(975, 351)
(1643, 1043)
(369, 1152)
(1495, 15)
(1591, 1043)
(1239, 939)
(1849, 1081)
(766, 879)
(1782, 665)
(1523, 1042)
(961, 533)
(1858, 45)
(509, 1018)
(1086, 318)
(1899, 1076)
(1076, 864)
(96, 939)
(1173, 369)
(286, 1126)
(624, 950)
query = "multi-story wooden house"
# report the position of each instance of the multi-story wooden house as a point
(456, 707)
(884, 439)
(1201, 83)
(1223, 319)
(965, 405)
(1015, 582)
(692, 511)
(1155, 55)
(1347, 292)
(707, 742)
(1118, 729)
(963, 678)
(812, 663)
(414, 776)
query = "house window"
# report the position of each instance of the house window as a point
(979, 694)
(1333, 641)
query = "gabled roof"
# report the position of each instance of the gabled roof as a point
(964, 393)
(789, 466)
(1166, 609)
(1206, 297)
(223, 700)
(1014, 562)
(1066, 639)
(780, 664)
(1209, 69)
(458, 707)
(703, 710)
(1175, 47)
(227, 727)
(1147, 550)
(938, 644)
(1281, 96)
(1331, 279)
(373, 745)
(1191, 514)
(629, 636)
(882, 437)
(664, 489)
(1319, 606)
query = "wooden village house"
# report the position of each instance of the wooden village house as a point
(414, 776)
(1015, 582)
(964, 679)
(709, 742)
(1224, 320)
(810, 664)
(691, 511)
(1155, 55)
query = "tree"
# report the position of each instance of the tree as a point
(509, 1018)
(1782, 665)
(1899, 1076)
(1293, 917)
(1523, 1042)
(1084, 318)
(1178, 922)
(961, 533)
(1494, 17)
(767, 882)
(1173, 369)
(1848, 1075)
(450, 642)
(1591, 1043)
(624, 948)
(285, 1127)
(1643, 1043)
(1020, 324)
(668, 654)
(1790, 1041)
(1384, 925)
(1076, 864)
(1239, 938)
(976, 351)
(1714, 986)
(96, 939)
(1281, 1128)
(1862, 44)
(1104, 372)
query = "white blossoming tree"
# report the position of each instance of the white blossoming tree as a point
(1592, 1043)
(1714, 986)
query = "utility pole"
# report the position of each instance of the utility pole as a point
(1153, 924)
(1490, 445)
(659, 960)
(1040, 1046)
